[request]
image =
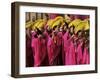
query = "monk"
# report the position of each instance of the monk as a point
(80, 47)
(43, 50)
(70, 53)
(29, 57)
(40, 51)
(79, 52)
(60, 44)
(35, 50)
(52, 47)
(86, 55)
(66, 36)
(70, 49)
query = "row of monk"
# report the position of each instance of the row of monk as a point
(63, 43)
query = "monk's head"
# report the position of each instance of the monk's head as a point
(79, 33)
(72, 29)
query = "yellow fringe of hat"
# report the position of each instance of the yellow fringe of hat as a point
(39, 23)
(87, 24)
(58, 20)
(36, 23)
(75, 22)
(29, 24)
(50, 22)
(83, 25)
(63, 23)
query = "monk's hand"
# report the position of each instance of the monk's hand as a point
(40, 36)
(72, 36)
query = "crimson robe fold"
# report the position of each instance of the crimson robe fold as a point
(40, 52)
(86, 56)
(79, 53)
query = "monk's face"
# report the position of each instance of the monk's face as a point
(65, 28)
(42, 29)
(48, 28)
(80, 34)
(61, 29)
(72, 29)
(56, 30)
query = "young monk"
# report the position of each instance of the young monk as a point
(29, 57)
(80, 47)
(86, 55)
(40, 50)
(66, 36)
(52, 45)
(35, 50)
(70, 52)
(60, 45)
(50, 49)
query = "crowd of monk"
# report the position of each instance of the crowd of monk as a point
(57, 41)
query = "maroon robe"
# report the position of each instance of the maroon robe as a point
(34, 45)
(29, 57)
(40, 52)
(53, 52)
(60, 44)
(66, 36)
(86, 56)
(70, 55)
(79, 53)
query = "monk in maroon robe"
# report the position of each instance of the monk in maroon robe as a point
(40, 51)
(79, 53)
(53, 52)
(60, 44)
(66, 36)
(29, 57)
(70, 55)
(80, 47)
(86, 55)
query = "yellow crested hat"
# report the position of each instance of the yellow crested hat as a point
(83, 25)
(36, 23)
(50, 22)
(63, 23)
(58, 20)
(75, 22)
(87, 25)
(41, 25)
(29, 24)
